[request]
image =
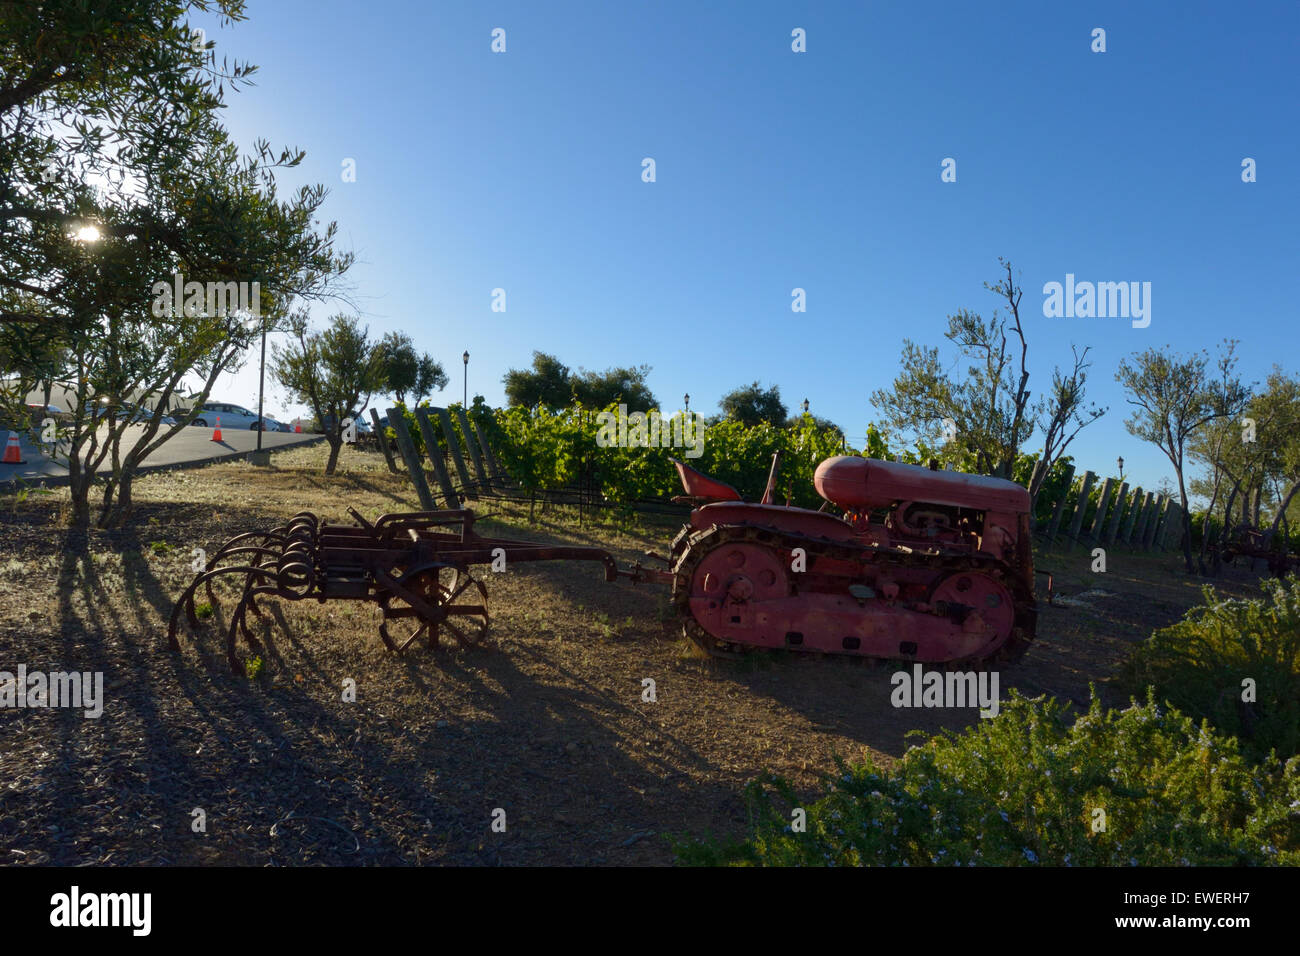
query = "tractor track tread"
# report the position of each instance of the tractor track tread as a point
(691, 546)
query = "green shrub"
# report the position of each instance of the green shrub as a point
(1199, 665)
(1024, 788)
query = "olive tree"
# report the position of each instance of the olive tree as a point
(333, 372)
(116, 181)
(1175, 396)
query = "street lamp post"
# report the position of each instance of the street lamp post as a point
(1120, 461)
(465, 394)
(261, 385)
(805, 406)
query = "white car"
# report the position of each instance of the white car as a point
(232, 416)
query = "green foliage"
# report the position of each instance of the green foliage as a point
(253, 667)
(752, 405)
(1059, 481)
(1024, 787)
(551, 383)
(545, 449)
(203, 611)
(160, 547)
(1199, 664)
(405, 370)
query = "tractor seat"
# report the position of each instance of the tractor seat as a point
(701, 487)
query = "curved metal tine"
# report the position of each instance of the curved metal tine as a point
(231, 635)
(187, 599)
(276, 534)
(238, 623)
(250, 601)
(260, 552)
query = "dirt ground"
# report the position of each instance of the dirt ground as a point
(547, 725)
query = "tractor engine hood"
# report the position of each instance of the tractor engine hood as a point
(865, 483)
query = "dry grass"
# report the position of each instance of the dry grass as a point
(548, 725)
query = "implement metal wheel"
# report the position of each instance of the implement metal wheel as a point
(425, 600)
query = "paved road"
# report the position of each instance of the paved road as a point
(192, 446)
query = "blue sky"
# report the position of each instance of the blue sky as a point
(776, 170)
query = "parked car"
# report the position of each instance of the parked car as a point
(41, 412)
(129, 411)
(232, 416)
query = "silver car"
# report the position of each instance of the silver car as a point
(231, 416)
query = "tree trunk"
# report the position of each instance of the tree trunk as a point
(1187, 522)
(117, 507)
(79, 491)
(336, 445)
(1206, 524)
(1286, 503)
(1280, 519)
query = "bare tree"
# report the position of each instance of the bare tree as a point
(1067, 415)
(990, 405)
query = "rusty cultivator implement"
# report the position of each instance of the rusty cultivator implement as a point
(416, 566)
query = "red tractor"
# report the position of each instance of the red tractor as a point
(924, 565)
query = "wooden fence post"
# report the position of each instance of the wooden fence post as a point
(498, 476)
(1076, 523)
(1099, 520)
(1157, 515)
(1144, 515)
(466, 485)
(382, 435)
(1135, 505)
(1173, 535)
(1116, 513)
(407, 447)
(1157, 526)
(472, 445)
(434, 451)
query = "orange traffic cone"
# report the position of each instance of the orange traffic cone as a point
(13, 451)
(297, 428)
(216, 432)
